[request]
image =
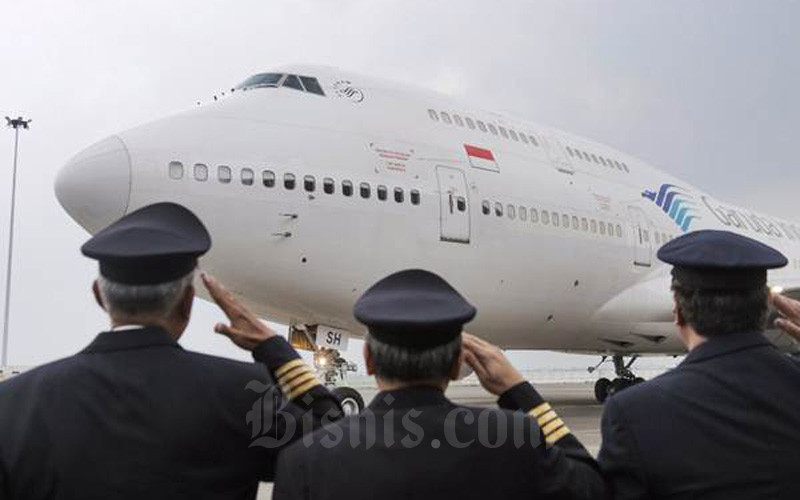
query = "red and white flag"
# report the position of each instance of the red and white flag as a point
(481, 158)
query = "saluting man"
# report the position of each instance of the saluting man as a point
(134, 415)
(724, 424)
(412, 441)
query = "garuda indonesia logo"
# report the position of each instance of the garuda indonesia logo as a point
(676, 203)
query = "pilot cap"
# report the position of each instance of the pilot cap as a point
(413, 309)
(720, 260)
(155, 244)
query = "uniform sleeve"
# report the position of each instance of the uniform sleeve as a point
(619, 456)
(570, 469)
(296, 380)
(291, 481)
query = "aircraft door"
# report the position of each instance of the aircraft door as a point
(454, 204)
(558, 156)
(642, 238)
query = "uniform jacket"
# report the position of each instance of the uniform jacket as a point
(415, 443)
(136, 416)
(724, 424)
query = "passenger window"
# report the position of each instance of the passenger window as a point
(292, 82)
(602, 228)
(498, 209)
(289, 181)
(415, 198)
(545, 217)
(175, 170)
(364, 190)
(446, 118)
(503, 132)
(268, 178)
(523, 213)
(247, 176)
(565, 220)
(593, 224)
(434, 115)
(481, 126)
(224, 174)
(312, 85)
(594, 157)
(534, 215)
(347, 188)
(461, 204)
(625, 167)
(458, 120)
(486, 208)
(382, 192)
(524, 138)
(399, 196)
(513, 135)
(200, 172)
(603, 161)
(533, 140)
(556, 220)
(646, 236)
(575, 223)
(310, 183)
(512, 212)
(586, 156)
(619, 231)
(328, 185)
(584, 224)
(470, 123)
(492, 129)
(569, 150)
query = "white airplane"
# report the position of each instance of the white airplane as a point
(316, 182)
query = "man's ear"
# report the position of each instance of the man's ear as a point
(186, 303)
(369, 362)
(455, 370)
(97, 296)
(676, 312)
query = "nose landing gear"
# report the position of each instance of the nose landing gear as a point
(604, 387)
(332, 368)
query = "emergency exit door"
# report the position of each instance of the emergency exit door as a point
(454, 204)
(642, 239)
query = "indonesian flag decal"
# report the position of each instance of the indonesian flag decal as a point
(481, 158)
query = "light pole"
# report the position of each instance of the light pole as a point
(17, 124)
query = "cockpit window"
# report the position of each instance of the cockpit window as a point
(301, 83)
(292, 82)
(312, 85)
(262, 80)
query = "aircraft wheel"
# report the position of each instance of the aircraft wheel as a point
(351, 401)
(601, 389)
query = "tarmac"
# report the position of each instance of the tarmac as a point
(573, 401)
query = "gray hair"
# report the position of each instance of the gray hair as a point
(398, 363)
(143, 301)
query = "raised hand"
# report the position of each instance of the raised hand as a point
(789, 309)
(245, 329)
(495, 372)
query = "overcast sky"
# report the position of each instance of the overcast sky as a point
(707, 90)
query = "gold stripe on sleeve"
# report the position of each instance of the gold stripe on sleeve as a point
(296, 382)
(299, 391)
(552, 426)
(288, 366)
(560, 433)
(550, 415)
(540, 410)
(293, 373)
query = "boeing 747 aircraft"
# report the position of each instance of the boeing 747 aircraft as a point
(316, 182)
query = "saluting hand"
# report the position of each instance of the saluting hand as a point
(245, 330)
(495, 372)
(790, 312)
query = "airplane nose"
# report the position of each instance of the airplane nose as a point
(94, 186)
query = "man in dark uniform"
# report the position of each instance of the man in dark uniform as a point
(724, 424)
(134, 415)
(412, 442)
